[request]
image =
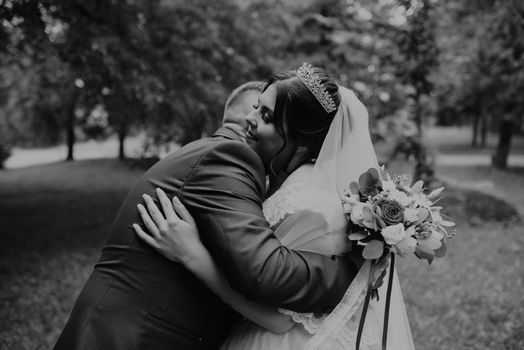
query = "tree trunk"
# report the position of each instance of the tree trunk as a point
(475, 129)
(420, 152)
(70, 130)
(500, 158)
(417, 114)
(484, 130)
(477, 115)
(122, 133)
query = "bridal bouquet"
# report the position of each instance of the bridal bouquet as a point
(391, 215)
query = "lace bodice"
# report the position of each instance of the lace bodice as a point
(292, 198)
(323, 213)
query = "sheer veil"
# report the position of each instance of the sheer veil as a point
(346, 153)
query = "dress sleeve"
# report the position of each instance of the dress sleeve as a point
(224, 194)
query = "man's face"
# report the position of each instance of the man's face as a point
(262, 134)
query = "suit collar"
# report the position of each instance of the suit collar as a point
(230, 131)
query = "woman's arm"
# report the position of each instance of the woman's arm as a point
(176, 237)
(268, 317)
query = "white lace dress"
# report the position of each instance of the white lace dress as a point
(292, 205)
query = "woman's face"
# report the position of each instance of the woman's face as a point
(262, 134)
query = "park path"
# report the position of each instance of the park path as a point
(83, 150)
(514, 160)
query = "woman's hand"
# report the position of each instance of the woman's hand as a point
(174, 233)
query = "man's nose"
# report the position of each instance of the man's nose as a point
(251, 121)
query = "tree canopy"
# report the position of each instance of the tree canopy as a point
(84, 68)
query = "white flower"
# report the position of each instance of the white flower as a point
(349, 201)
(435, 214)
(410, 231)
(361, 215)
(400, 197)
(405, 246)
(353, 199)
(421, 200)
(347, 208)
(393, 234)
(357, 213)
(388, 186)
(410, 215)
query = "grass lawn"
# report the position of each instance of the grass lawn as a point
(53, 220)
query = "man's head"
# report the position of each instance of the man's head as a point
(241, 101)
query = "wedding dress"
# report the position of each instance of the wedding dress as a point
(306, 215)
(296, 203)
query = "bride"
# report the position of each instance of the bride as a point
(329, 127)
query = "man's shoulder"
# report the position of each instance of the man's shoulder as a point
(232, 148)
(233, 154)
(229, 163)
(218, 150)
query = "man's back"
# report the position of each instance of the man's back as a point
(135, 298)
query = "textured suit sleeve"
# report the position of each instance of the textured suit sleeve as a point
(224, 193)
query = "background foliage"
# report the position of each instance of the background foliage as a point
(87, 69)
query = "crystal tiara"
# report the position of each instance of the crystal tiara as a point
(312, 81)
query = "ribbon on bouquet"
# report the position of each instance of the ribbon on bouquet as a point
(367, 299)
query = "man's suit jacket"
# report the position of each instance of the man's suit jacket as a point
(137, 299)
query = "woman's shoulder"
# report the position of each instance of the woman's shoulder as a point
(297, 195)
(300, 175)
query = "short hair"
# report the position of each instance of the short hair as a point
(250, 85)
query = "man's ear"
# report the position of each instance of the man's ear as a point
(238, 129)
(234, 117)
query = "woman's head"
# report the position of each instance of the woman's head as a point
(293, 116)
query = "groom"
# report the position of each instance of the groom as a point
(136, 299)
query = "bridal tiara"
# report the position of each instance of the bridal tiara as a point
(312, 81)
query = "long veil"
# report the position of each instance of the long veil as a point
(345, 154)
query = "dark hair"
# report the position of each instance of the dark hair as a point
(306, 121)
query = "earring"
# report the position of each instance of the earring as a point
(301, 149)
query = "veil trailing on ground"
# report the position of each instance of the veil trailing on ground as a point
(346, 153)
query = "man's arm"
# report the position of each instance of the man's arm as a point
(224, 194)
